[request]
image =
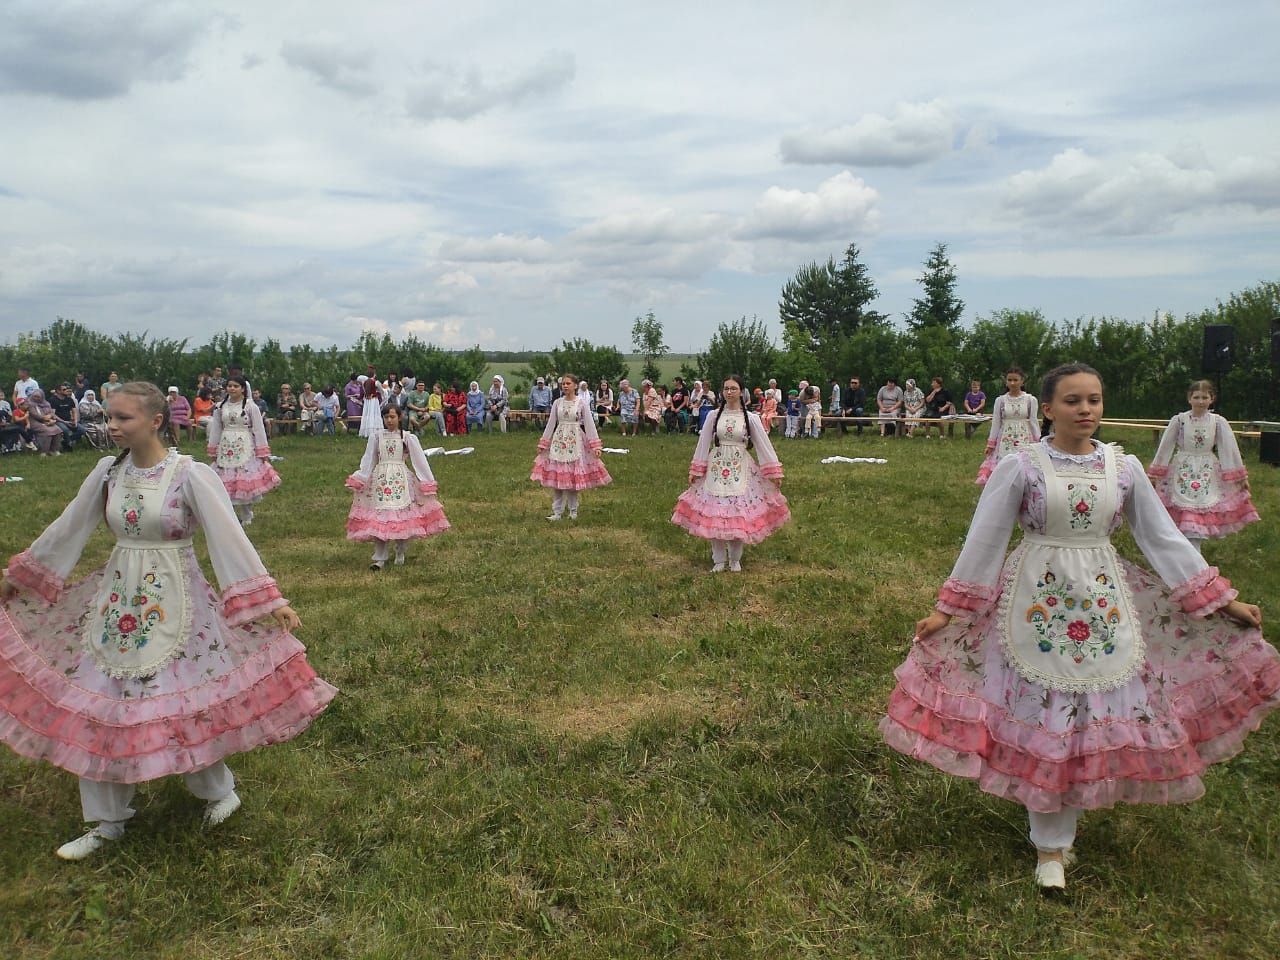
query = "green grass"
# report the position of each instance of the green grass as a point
(571, 741)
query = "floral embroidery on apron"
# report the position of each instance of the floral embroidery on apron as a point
(1015, 430)
(143, 612)
(727, 469)
(391, 477)
(235, 446)
(1066, 615)
(566, 439)
(1193, 471)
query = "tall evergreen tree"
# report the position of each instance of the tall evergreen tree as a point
(939, 307)
(823, 305)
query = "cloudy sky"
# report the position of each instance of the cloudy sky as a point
(511, 174)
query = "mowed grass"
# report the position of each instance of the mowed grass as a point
(572, 741)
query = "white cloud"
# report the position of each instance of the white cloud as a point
(841, 205)
(454, 93)
(332, 62)
(916, 133)
(453, 332)
(1076, 262)
(1143, 193)
(496, 249)
(458, 279)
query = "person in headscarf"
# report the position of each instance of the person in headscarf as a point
(913, 405)
(179, 416)
(496, 407)
(44, 424)
(475, 406)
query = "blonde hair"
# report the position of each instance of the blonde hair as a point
(150, 399)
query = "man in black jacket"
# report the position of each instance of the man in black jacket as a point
(855, 402)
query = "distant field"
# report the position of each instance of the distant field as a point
(669, 365)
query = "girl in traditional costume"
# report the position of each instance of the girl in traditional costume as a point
(393, 504)
(1071, 679)
(1207, 495)
(569, 452)
(731, 500)
(1014, 424)
(142, 670)
(238, 446)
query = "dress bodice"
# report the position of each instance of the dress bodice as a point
(1085, 471)
(731, 428)
(147, 504)
(1197, 434)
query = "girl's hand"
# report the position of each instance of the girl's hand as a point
(8, 590)
(1245, 613)
(286, 618)
(931, 625)
(599, 454)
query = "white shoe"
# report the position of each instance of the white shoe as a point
(376, 565)
(1050, 875)
(82, 847)
(219, 810)
(554, 517)
(735, 567)
(573, 516)
(717, 568)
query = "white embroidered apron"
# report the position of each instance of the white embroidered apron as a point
(1066, 616)
(143, 613)
(1193, 469)
(235, 446)
(391, 477)
(566, 439)
(727, 468)
(1015, 425)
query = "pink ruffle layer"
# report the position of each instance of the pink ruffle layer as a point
(269, 697)
(247, 600)
(26, 571)
(960, 707)
(250, 483)
(751, 517)
(1231, 513)
(960, 598)
(424, 518)
(582, 474)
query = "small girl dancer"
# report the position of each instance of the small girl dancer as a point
(238, 446)
(567, 462)
(389, 505)
(1073, 680)
(1207, 495)
(141, 670)
(731, 500)
(1014, 424)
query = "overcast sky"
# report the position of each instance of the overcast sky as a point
(511, 174)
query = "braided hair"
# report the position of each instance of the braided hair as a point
(736, 378)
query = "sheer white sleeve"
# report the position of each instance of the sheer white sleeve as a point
(974, 581)
(1168, 443)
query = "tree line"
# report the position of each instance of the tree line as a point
(830, 329)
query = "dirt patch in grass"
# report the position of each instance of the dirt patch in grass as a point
(584, 716)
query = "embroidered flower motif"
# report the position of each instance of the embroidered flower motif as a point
(1082, 507)
(1078, 630)
(128, 623)
(132, 516)
(1051, 601)
(115, 598)
(1102, 601)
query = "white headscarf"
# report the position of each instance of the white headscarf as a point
(475, 387)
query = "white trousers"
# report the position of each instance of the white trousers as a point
(380, 548)
(244, 513)
(107, 804)
(1052, 832)
(560, 498)
(730, 550)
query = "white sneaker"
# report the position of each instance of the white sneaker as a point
(718, 568)
(735, 567)
(1050, 875)
(82, 847)
(554, 517)
(219, 810)
(376, 565)
(573, 516)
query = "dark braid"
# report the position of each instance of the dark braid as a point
(715, 436)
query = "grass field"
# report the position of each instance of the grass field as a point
(571, 741)
(669, 365)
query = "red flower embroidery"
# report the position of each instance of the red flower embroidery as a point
(132, 516)
(725, 473)
(1051, 601)
(115, 598)
(1102, 601)
(1078, 630)
(128, 623)
(1195, 484)
(1082, 507)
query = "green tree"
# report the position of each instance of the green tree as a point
(580, 357)
(743, 347)
(825, 304)
(939, 307)
(646, 338)
(1009, 338)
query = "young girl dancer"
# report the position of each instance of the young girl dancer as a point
(1072, 679)
(1207, 495)
(1014, 424)
(140, 670)
(567, 462)
(238, 446)
(731, 501)
(389, 504)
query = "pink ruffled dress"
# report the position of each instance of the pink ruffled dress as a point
(392, 503)
(1206, 497)
(1015, 423)
(730, 496)
(141, 669)
(239, 451)
(567, 451)
(1070, 677)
